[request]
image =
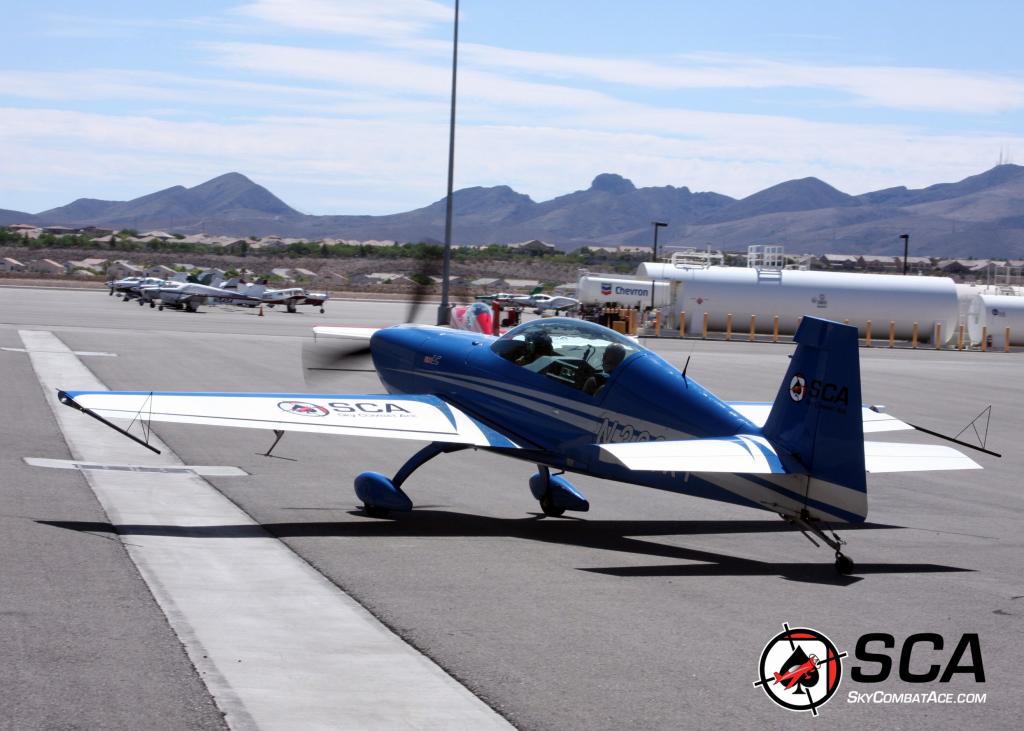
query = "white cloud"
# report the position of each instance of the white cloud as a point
(383, 20)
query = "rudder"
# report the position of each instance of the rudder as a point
(817, 415)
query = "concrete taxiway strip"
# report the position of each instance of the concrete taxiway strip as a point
(277, 644)
(201, 470)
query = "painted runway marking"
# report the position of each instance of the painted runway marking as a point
(76, 352)
(277, 644)
(202, 470)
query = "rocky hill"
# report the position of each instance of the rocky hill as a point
(982, 216)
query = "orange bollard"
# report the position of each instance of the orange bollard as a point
(775, 329)
(892, 333)
(261, 310)
(728, 326)
(938, 336)
(984, 339)
(960, 339)
(682, 324)
(1006, 340)
(913, 337)
(753, 327)
(657, 324)
(705, 335)
(867, 334)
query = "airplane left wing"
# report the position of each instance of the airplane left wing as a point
(424, 418)
(743, 453)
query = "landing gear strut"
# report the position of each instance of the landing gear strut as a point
(807, 525)
(381, 494)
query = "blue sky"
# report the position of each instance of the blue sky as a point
(342, 107)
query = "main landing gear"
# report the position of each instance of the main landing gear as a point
(381, 494)
(807, 525)
(556, 494)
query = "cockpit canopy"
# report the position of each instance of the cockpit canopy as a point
(576, 353)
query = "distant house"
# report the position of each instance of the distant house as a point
(93, 265)
(490, 283)
(44, 266)
(60, 230)
(534, 247)
(121, 269)
(162, 235)
(283, 273)
(879, 263)
(378, 278)
(955, 266)
(7, 264)
(21, 227)
(838, 261)
(161, 271)
(522, 283)
(304, 273)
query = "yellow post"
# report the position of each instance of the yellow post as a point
(913, 337)
(657, 324)
(867, 334)
(682, 324)
(984, 339)
(728, 326)
(632, 322)
(753, 327)
(705, 335)
(960, 339)
(1006, 340)
(938, 336)
(846, 321)
(892, 333)
(775, 329)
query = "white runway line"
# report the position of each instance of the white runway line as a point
(278, 646)
(201, 470)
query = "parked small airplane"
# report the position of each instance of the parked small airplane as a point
(291, 297)
(188, 295)
(130, 287)
(574, 396)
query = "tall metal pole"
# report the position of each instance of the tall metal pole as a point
(654, 255)
(444, 312)
(906, 249)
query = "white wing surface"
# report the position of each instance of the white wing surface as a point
(874, 421)
(899, 457)
(744, 453)
(425, 418)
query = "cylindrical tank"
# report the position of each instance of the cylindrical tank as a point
(967, 291)
(994, 313)
(791, 294)
(596, 289)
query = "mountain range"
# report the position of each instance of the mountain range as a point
(981, 216)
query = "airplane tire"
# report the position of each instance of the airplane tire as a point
(844, 564)
(321, 310)
(161, 308)
(374, 511)
(152, 305)
(549, 507)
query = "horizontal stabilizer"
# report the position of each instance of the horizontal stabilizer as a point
(899, 457)
(345, 333)
(424, 418)
(743, 453)
(874, 421)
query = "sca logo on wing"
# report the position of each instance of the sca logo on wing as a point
(800, 669)
(303, 408)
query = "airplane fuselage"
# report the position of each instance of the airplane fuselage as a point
(645, 399)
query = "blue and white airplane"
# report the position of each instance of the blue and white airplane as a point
(572, 396)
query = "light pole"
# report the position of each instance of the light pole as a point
(654, 255)
(443, 312)
(906, 249)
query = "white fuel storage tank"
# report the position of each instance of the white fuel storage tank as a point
(791, 294)
(993, 313)
(597, 289)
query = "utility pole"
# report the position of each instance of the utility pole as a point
(654, 254)
(444, 311)
(906, 249)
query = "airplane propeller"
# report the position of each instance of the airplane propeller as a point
(325, 362)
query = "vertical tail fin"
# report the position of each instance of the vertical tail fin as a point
(817, 418)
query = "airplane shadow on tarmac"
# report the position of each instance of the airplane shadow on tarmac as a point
(625, 536)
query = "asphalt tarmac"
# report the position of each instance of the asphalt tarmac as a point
(651, 611)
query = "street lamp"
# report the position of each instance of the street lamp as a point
(443, 312)
(906, 248)
(654, 257)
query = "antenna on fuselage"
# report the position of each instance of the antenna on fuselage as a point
(687, 365)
